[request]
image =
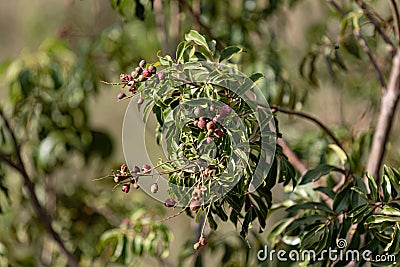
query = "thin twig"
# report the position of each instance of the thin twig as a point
(376, 23)
(39, 209)
(275, 108)
(292, 157)
(196, 17)
(396, 19)
(365, 47)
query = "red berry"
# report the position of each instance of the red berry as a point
(218, 133)
(135, 170)
(210, 125)
(126, 188)
(169, 203)
(146, 73)
(152, 69)
(154, 188)
(225, 111)
(146, 168)
(195, 205)
(134, 74)
(202, 124)
(197, 111)
(209, 140)
(203, 240)
(160, 75)
(212, 107)
(121, 96)
(140, 100)
(142, 63)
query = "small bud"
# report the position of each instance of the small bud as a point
(197, 111)
(161, 75)
(203, 240)
(154, 188)
(209, 140)
(218, 133)
(140, 100)
(146, 168)
(212, 107)
(196, 246)
(142, 63)
(152, 69)
(134, 74)
(203, 118)
(196, 122)
(225, 111)
(121, 96)
(126, 188)
(122, 77)
(210, 125)
(138, 70)
(169, 203)
(141, 78)
(195, 205)
(135, 170)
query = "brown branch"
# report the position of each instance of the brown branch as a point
(396, 19)
(197, 18)
(292, 157)
(389, 102)
(376, 23)
(365, 47)
(161, 25)
(39, 209)
(275, 108)
(337, 7)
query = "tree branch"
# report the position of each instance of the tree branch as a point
(196, 17)
(378, 27)
(396, 19)
(389, 102)
(292, 157)
(275, 108)
(366, 49)
(39, 209)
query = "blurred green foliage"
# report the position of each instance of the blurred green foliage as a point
(308, 54)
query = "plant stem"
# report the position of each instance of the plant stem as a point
(41, 213)
(389, 102)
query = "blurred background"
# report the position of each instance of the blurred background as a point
(71, 132)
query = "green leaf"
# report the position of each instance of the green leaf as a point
(315, 174)
(327, 191)
(382, 219)
(310, 206)
(372, 187)
(360, 192)
(229, 52)
(386, 188)
(198, 39)
(278, 229)
(256, 77)
(309, 219)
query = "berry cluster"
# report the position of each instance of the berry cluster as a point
(123, 174)
(140, 74)
(212, 125)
